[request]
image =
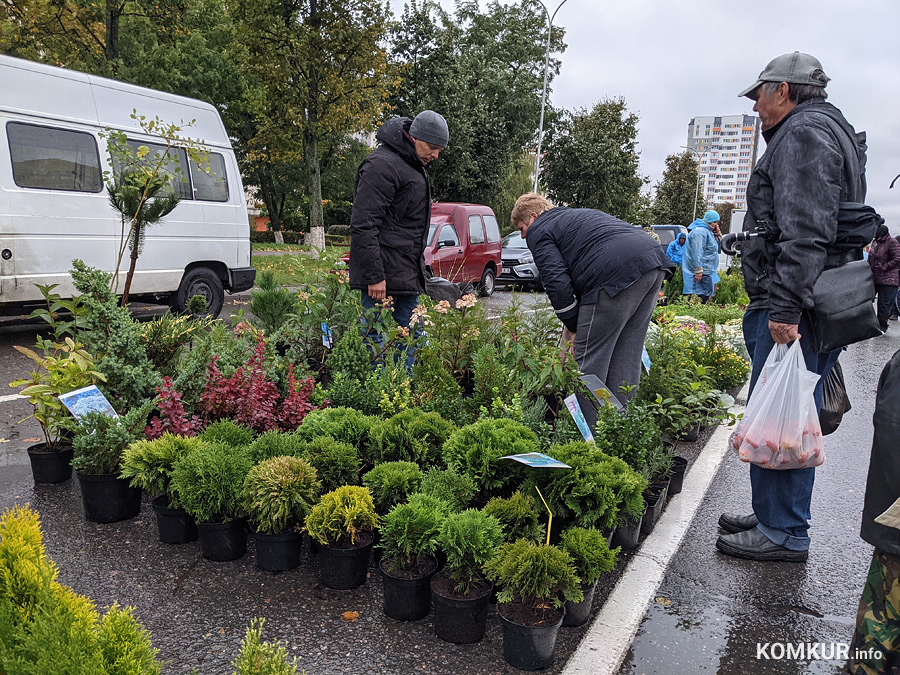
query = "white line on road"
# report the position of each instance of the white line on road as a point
(11, 397)
(604, 646)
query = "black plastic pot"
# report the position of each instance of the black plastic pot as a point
(278, 552)
(628, 532)
(106, 498)
(578, 613)
(344, 568)
(528, 647)
(50, 467)
(220, 542)
(676, 480)
(692, 434)
(461, 621)
(407, 599)
(175, 525)
(655, 498)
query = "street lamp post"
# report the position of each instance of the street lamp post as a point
(697, 188)
(537, 158)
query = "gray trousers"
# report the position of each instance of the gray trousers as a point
(610, 337)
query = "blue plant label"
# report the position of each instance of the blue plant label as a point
(326, 336)
(645, 359)
(577, 414)
(87, 399)
(538, 460)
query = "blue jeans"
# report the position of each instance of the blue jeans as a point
(781, 499)
(402, 312)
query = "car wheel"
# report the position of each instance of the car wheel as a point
(201, 281)
(487, 285)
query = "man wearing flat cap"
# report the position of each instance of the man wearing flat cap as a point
(814, 160)
(392, 211)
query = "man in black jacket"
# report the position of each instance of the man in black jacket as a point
(814, 160)
(391, 214)
(603, 277)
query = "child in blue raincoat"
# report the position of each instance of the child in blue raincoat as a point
(700, 257)
(674, 251)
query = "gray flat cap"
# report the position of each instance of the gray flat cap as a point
(431, 128)
(796, 68)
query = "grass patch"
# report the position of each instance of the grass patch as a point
(271, 246)
(299, 268)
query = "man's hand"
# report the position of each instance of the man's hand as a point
(698, 277)
(378, 292)
(783, 333)
(568, 340)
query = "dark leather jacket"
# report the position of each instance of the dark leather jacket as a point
(391, 214)
(811, 165)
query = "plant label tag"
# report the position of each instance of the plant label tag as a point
(891, 517)
(538, 460)
(600, 391)
(645, 359)
(87, 399)
(326, 336)
(572, 404)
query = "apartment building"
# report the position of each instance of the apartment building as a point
(727, 148)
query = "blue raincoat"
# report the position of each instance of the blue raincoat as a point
(700, 250)
(674, 251)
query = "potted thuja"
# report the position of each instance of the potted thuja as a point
(99, 443)
(460, 593)
(591, 557)
(278, 494)
(149, 466)
(208, 482)
(343, 523)
(64, 366)
(408, 539)
(532, 579)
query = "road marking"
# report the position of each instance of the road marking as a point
(11, 397)
(607, 641)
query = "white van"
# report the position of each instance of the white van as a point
(54, 206)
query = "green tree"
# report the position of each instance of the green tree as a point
(725, 209)
(592, 159)
(483, 71)
(319, 68)
(677, 191)
(516, 182)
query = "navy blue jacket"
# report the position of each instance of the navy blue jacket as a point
(580, 252)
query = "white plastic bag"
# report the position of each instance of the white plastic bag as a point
(780, 429)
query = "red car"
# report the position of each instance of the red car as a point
(463, 245)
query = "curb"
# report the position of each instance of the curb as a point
(604, 646)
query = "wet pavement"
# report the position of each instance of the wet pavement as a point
(711, 611)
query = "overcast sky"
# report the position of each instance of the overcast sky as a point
(676, 59)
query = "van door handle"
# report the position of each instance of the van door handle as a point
(459, 252)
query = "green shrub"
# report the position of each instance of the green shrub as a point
(469, 539)
(228, 432)
(100, 439)
(278, 494)
(629, 435)
(533, 574)
(411, 435)
(336, 463)
(262, 658)
(209, 482)
(409, 531)
(149, 464)
(342, 516)
(342, 424)
(659, 464)
(274, 444)
(392, 482)
(518, 516)
(350, 359)
(454, 488)
(164, 337)
(272, 305)
(589, 552)
(125, 646)
(475, 450)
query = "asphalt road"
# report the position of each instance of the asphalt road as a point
(711, 611)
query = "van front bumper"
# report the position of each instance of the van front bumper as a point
(241, 278)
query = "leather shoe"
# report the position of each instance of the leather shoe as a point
(732, 523)
(754, 545)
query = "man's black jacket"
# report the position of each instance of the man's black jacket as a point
(391, 213)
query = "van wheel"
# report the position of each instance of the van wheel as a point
(201, 281)
(487, 285)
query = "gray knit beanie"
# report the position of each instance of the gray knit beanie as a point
(431, 128)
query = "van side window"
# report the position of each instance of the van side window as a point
(53, 159)
(448, 233)
(212, 186)
(491, 228)
(176, 163)
(476, 230)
